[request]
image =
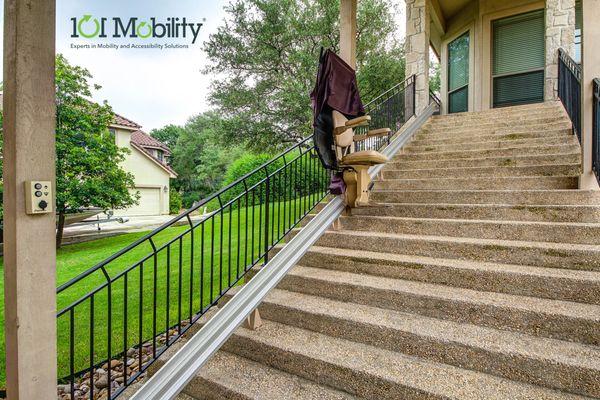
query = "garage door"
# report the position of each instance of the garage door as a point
(149, 203)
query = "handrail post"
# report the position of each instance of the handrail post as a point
(267, 200)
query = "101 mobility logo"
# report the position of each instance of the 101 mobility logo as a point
(90, 27)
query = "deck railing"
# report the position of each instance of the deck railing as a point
(433, 98)
(389, 110)
(569, 89)
(139, 301)
(144, 297)
(596, 130)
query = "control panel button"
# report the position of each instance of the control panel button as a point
(38, 197)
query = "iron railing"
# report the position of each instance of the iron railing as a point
(140, 300)
(144, 297)
(596, 130)
(389, 110)
(569, 89)
(180, 369)
(434, 99)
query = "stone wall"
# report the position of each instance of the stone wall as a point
(417, 49)
(560, 33)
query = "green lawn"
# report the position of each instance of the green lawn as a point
(187, 278)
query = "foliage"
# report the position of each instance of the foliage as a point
(434, 78)
(168, 134)
(201, 157)
(175, 201)
(87, 158)
(283, 185)
(268, 50)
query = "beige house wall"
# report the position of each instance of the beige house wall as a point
(147, 173)
(477, 16)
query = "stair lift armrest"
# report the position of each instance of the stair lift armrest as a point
(359, 121)
(379, 132)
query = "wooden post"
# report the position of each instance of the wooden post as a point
(29, 240)
(590, 62)
(348, 9)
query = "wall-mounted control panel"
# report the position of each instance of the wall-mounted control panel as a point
(38, 197)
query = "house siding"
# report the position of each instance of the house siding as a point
(147, 174)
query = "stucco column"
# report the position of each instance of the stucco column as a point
(29, 244)
(590, 60)
(348, 9)
(417, 49)
(560, 33)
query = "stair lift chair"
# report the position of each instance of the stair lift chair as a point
(355, 164)
(335, 99)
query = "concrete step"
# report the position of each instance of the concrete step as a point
(539, 254)
(477, 144)
(504, 212)
(554, 232)
(516, 112)
(427, 140)
(496, 171)
(505, 125)
(481, 183)
(518, 161)
(557, 364)
(486, 153)
(370, 372)
(576, 322)
(508, 197)
(229, 376)
(549, 283)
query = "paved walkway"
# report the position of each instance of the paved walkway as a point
(82, 233)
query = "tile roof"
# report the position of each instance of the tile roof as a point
(141, 138)
(122, 121)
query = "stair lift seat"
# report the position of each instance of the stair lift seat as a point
(355, 164)
(337, 110)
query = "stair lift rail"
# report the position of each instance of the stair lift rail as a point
(170, 380)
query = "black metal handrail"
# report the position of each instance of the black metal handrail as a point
(596, 130)
(433, 98)
(140, 300)
(389, 110)
(569, 89)
(166, 280)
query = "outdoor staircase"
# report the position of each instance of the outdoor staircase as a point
(474, 275)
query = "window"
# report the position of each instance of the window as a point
(160, 155)
(518, 59)
(458, 74)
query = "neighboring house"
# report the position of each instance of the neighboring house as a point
(148, 162)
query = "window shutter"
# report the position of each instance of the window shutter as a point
(518, 59)
(519, 43)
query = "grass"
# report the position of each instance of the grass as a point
(150, 294)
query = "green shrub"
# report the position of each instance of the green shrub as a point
(175, 202)
(287, 184)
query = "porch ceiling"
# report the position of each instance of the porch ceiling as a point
(449, 8)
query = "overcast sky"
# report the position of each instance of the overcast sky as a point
(150, 86)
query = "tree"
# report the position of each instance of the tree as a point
(87, 158)
(168, 134)
(434, 78)
(267, 51)
(201, 157)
